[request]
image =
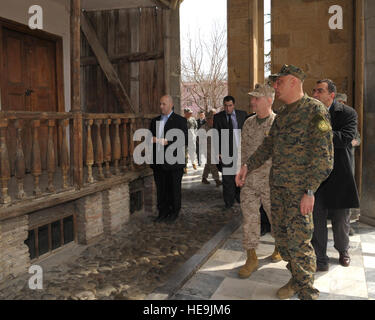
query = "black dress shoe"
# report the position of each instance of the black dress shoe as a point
(322, 267)
(344, 259)
(171, 218)
(160, 218)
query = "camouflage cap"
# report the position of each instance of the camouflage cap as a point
(289, 70)
(262, 90)
(342, 97)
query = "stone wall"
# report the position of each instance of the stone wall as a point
(97, 215)
(14, 254)
(301, 36)
(368, 176)
(115, 208)
(245, 49)
(89, 217)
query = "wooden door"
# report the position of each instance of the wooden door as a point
(29, 83)
(29, 73)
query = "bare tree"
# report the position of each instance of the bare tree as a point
(204, 70)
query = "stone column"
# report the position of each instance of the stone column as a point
(368, 173)
(172, 56)
(116, 208)
(245, 49)
(14, 253)
(89, 211)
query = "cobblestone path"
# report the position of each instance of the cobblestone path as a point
(135, 261)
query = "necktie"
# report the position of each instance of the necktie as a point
(230, 127)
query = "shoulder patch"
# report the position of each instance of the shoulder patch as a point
(320, 122)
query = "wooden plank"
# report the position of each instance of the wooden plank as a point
(105, 64)
(134, 67)
(125, 58)
(31, 205)
(164, 4)
(75, 54)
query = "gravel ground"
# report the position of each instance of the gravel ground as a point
(135, 261)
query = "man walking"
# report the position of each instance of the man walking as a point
(229, 121)
(301, 148)
(339, 192)
(256, 189)
(167, 176)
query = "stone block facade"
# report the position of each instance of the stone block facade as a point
(115, 208)
(14, 254)
(89, 217)
(97, 215)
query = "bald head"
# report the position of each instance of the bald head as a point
(166, 104)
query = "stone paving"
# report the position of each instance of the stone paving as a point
(218, 278)
(135, 261)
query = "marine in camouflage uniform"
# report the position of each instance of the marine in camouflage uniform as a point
(256, 190)
(301, 147)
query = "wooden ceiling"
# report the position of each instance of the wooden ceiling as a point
(91, 5)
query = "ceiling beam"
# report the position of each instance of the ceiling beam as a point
(165, 4)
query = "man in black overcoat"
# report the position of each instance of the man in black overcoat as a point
(168, 175)
(230, 119)
(338, 193)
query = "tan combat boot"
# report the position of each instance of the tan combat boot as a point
(276, 257)
(194, 166)
(185, 170)
(250, 266)
(218, 183)
(286, 291)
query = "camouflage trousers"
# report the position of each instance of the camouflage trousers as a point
(251, 200)
(192, 159)
(211, 168)
(293, 233)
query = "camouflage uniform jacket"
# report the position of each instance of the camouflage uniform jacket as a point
(300, 144)
(192, 123)
(252, 136)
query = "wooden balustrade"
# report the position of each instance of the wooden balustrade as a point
(4, 162)
(20, 170)
(38, 144)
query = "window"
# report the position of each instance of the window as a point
(49, 237)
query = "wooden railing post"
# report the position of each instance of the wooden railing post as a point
(20, 168)
(107, 148)
(51, 159)
(131, 134)
(36, 164)
(125, 144)
(65, 158)
(4, 162)
(89, 152)
(99, 149)
(77, 149)
(117, 146)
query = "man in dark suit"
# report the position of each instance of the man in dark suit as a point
(229, 119)
(338, 193)
(168, 174)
